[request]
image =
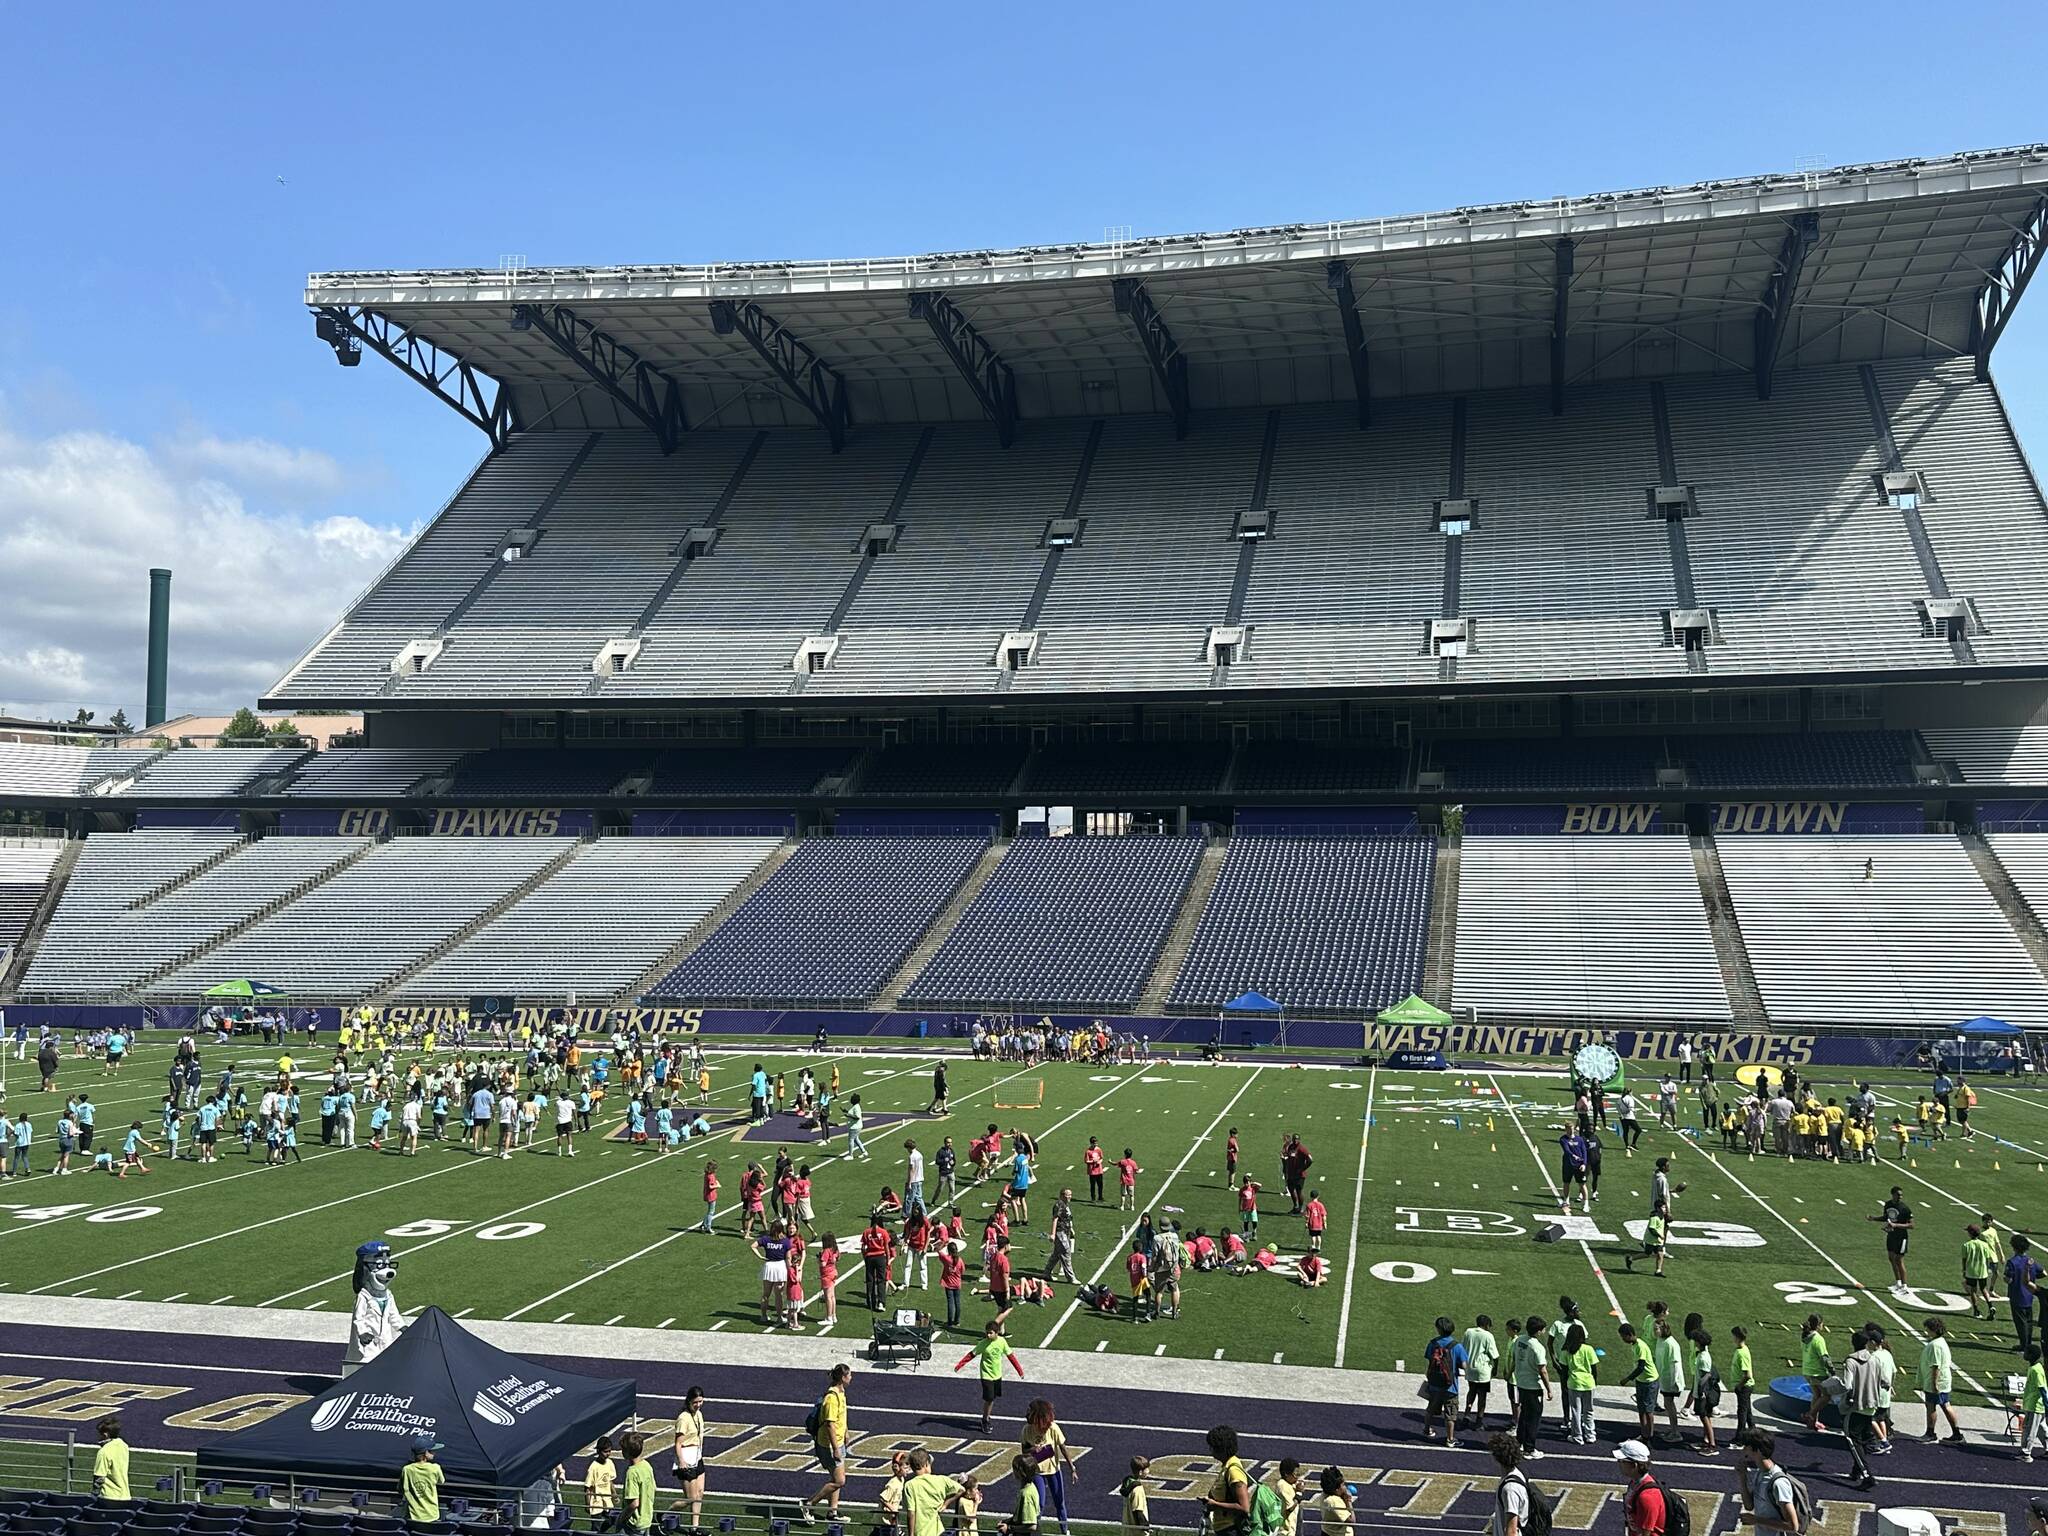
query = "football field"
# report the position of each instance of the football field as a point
(1437, 1185)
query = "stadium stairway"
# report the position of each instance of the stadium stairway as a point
(1440, 955)
(1998, 880)
(713, 920)
(1182, 934)
(39, 920)
(490, 914)
(942, 926)
(271, 908)
(1745, 998)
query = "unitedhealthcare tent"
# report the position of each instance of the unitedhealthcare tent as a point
(503, 1421)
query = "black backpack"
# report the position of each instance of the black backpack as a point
(1437, 1365)
(1542, 1508)
(1677, 1513)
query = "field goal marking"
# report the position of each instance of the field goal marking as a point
(1037, 1102)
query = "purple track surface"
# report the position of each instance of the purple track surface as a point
(174, 1392)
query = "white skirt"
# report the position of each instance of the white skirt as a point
(775, 1272)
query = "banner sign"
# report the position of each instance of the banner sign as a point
(508, 821)
(151, 819)
(1571, 820)
(1825, 816)
(870, 822)
(2012, 815)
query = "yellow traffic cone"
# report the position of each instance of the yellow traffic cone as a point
(1434, 1147)
(1493, 1146)
(1994, 1165)
(1959, 1162)
(1912, 1162)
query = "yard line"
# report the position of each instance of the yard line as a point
(201, 1242)
(718, 1325)
(664, 1322)
(219, 1299)
(1909, 1331)
(154, 1194)
(610, 1321)
(1613, 1301)
(179, 1296)
(126, 1294)
(1357, 1194)
(565, 1317)
(462, 1314)
(1123, 1243)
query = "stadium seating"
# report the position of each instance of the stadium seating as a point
(1918, 943)
(544, 773)
(2024, 856)
(831, 925)
(1548, 766)
(595, 926)
(1819, 759)
(1314, 923)
(205, 773)
(1993, 754)
(1073, 921)
(25, 866)
(115, 926)
(1806, 568)
(1791, 544)
(931, 768)
(1982, 509)
(1585, 927)
(33, 769)
(747, 772)
(1137, 769)
(369, 773)
(1317, 768)
(349, 935)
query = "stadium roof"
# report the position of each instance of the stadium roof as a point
(1909, 258)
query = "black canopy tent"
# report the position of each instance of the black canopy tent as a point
(503, 1421)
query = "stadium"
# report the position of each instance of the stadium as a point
(1309, 683)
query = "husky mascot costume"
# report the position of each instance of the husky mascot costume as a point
(376, 1323)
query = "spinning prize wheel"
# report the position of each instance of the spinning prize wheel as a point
(1598, 1064)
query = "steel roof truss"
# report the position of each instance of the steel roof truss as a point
(644, 392)
(478, 398)
(2004, 285)
(809, 377)
(1774, 313)
(1169, 363)
(987, 375)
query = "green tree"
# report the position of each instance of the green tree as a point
(83, 717)
(245, 726)
(119, 720)
(284, 730)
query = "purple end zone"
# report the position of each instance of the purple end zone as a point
(174, 1392)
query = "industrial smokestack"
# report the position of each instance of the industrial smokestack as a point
(153, 710)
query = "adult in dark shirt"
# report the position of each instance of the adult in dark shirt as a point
(1897, 1217)
(938, 1103)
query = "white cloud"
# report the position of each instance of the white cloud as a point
(83, 518)
(256, 463)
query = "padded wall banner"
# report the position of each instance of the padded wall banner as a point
(180, 1017)
(159, 818)
(1731, 817)
(2012, 815)
(737, 823)
(1572, 820)
(1311, 820)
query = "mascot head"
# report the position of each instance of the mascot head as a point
(376, 1268)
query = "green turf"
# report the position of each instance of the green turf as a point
(604, 1238)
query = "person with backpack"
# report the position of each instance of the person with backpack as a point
(1269, 1511)
(1531, 1372)
(826, 1425)
(1443, 1364)
(1772, 1498)
(1645, 1506)
(1518, 1509)
(1859, 1407)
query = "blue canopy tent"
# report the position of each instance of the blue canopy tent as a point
(1974, 1044)
(1253, 1008)
(502, 1421)
(1984, 1024)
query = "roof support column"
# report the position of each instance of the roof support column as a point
(1339, 276)
(2002, 289)
(644, 392)
(979, 363)
(1774, 314)
(809, 377)
(1560, 320)
(482, 401)
(1169, 363)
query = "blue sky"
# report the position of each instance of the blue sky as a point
(151, 326)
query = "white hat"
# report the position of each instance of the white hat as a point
(1632, 1450)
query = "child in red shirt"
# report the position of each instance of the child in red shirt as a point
(796, 1281)
(828, 1275)
(1127, 1179)
(917, 1240)
(710, 1196)
(1317, 1217)
(1230, 1155)
(1248, 1206)
(952, 1274)
(1139, 1270)
(1093, 1160)
(998, 1268)
(1235, 1258)
(753, 1195)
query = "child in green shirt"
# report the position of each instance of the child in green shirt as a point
(1023, 1520)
